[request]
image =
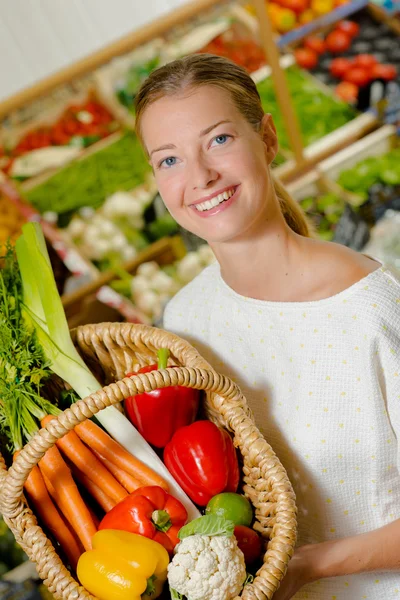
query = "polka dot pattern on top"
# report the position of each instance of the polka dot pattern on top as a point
(323, 381)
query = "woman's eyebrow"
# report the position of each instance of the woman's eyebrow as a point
(202, 133)
(165, 147)
(208, 129)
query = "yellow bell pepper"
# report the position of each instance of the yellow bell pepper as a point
(123, 566)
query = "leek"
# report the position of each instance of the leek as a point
(43, 309)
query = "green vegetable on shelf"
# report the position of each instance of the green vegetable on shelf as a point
(319, 113)
(376, 169)
(88, 182)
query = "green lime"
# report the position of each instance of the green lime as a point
(231, 506)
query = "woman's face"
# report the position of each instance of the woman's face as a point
(211, 167)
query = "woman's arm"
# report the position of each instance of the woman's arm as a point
(377, 550)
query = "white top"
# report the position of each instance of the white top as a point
(323, 381)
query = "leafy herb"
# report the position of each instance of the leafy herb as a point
(23, 367)
(249, 579)
(211, 525)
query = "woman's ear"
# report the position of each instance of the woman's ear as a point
(270, 139)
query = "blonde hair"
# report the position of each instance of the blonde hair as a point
(206, 69)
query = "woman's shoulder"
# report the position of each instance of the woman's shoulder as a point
(336, 269)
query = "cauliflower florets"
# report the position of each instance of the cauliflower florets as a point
(207, 568)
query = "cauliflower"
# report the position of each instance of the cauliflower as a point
(207, 568)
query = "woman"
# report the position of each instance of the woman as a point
(310, 330)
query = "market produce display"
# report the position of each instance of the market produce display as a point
(380, 171)
(152, 285)
(287, 15)
(319, 113)
(324, 211)
(79, 126)
(352, 55)
(374, 186)
(121, 227)
(244, 51)
(120, 166)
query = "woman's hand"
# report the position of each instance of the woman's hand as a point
(298, 573)
(377, 550)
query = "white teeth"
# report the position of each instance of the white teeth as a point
(208, 204)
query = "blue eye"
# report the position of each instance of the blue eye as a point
(221, 139)
(168, 162)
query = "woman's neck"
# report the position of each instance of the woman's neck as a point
(267, 265)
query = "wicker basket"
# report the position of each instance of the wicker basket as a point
(118, 348)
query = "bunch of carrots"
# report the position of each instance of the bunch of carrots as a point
(86, 457)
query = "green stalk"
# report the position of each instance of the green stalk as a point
(44, 308)
(162, 356)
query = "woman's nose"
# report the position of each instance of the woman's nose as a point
(202, 174)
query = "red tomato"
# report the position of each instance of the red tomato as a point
(249, 543)
(347, 91)
(297, 6)
(360, 77)
(349, 28)
(338, 42)
(386, 72)
(339, 66)
(366, 61)
(306, 58)
(316, 44)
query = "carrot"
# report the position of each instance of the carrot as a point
(81, 456)
(99, 440)
(50, 517)
(67, 496)
(98, 494)
(126, 480)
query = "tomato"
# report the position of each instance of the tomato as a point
(338, 42)
(339, 66)
(349, 28)
(360, 77)
(249, 543)
(306, 58)
(347, 91)
(385, 72)
(366, 61)
(297, 6)
(314, 43)
(233, 507)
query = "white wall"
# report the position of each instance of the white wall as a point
(39, 37)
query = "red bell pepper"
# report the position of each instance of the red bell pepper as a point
(158, 414)
(202, 459)
(151, 512)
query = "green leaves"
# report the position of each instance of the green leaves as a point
(23, 367)
(375, 169)
(210, 525)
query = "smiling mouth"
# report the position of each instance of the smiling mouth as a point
(216, 201)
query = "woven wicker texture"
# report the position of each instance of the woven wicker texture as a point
(121, 348)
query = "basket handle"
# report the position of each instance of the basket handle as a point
(30, 455)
